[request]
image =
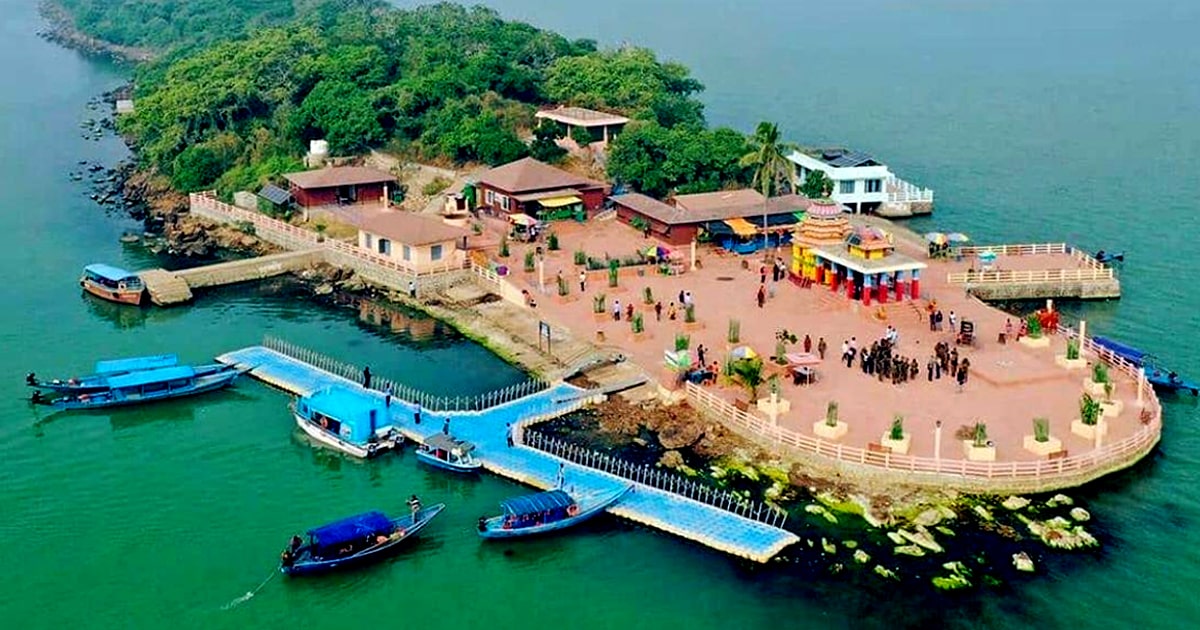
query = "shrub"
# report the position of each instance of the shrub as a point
(247, 227)
(581, 257)
(735, 331)
(980, 437)
(780, 352)
(435, 186)
(595, 264)
(598, 301)
(552, 242)
(614, 275)
(1041, 429)
(477, 228)
(897, 431)
(504, 246)
(1034, 326)
(564, 287)
(1100, 372)
(689, 314)
(1089, 410)
(749, 372)
(581, 136)
(647, 296)
(831, 413)
(1108, 391)
(638, 223)
(1072, 349)
(530, 261)
(637, 323)
(682, 342)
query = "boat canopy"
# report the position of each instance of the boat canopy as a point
(1127, 352)
(133, 364)
(352, 529)
(448, 443)
(146, 377)
(359, 413)
(539, 502)
(108, 272)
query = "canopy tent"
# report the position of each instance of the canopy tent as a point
(108, 272)
(743, 352)
(741, 227)
(987, 258)
(558, 202)
(937, 238)
(350, 530)
(446, 443)
(540, 502)
(774, 220)
(136, 363)
(523, 219)
(657, 251)
(718, 228)
(957, 237)
(802, 358)
(145, 377)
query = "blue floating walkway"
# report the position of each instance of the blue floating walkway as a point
(487, 429)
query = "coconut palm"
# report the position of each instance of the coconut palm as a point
(772, 168)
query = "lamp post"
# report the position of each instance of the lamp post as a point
(937, 443)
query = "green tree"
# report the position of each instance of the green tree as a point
(816, 185)
(768, 157)
(657, 160)
(628, 80)
(341, 113)
(544, 147)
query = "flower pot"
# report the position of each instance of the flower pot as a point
(896, 446)
(1092, 387)
(1088, 432)
(774, 408)
(823, 430)
(1050, 446)
(1036, 342)
(978, 453)
(1071, 364)
(1112, 408)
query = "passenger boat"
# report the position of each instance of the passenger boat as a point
(1107, 258)
(444, 451)
(147, 386)
(1129, 353)
(1158, 376)
(353, 541)
(105, 370)
(113, 284)
(352, 422)
(546, 512)
(1171, 382)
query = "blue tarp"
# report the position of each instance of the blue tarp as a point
(352, 409)
(136, 363)
(108, 272)
(146, 377)
(1129, 353)
(353, 529)
(541, 502)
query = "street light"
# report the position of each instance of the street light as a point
(937, 443)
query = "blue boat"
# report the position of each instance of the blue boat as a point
(449, 453)
(353, 541)
(353, 422)
(1170, 381)
(1158, 376)
(104, 370)
(1129, 353)
(546, 512)
(1109, 258)
(148, 386)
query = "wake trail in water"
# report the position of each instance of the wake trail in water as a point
(249, 594)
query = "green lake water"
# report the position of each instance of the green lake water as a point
(1033, 121)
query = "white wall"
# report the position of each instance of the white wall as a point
(857, 174)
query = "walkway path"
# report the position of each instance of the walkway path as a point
(672, 513)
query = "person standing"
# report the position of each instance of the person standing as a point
(929, 368)
(658, 311)
(616, 310)
(417, 414)
(672, 312)
(821, 347)
(807, 344)
(412, 289)
(414, 505)
(761, 298)
(367, 377)
(953, 322)
(700, 350)
(762, 274)
(561, 479)
(387, 397)
(681, 300)
(446, 426)
(508, 433)
(629, 312)
(582, 281)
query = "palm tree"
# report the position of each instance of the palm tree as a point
(772, 168)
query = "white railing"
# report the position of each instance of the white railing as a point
(1028, 276)
(900, 191)
(1020, 249)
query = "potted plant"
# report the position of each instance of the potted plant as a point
(735, 332)
(979, 448)
(530, 262)
(564, 288)
(1094, 385)
(682, 342)
(773, 405)
(1111, 408)
(689, 318)
(1090, 423)
(504, 246)
(320, 228)
(552, 242)
(599, 307)
(831, 428)
(638, 327)
(647, 296)
(614, 273)
(1041, 443)
(1034, 336)
(1071, 360)
(897, 439)
(580, 257)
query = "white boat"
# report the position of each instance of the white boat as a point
(348, 421)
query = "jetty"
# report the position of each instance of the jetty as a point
(660, 500)
(175, 287)
(1032, 272)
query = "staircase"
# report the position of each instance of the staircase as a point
(165, 288)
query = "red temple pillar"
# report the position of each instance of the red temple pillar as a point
(883, 288)
(900, 282)
(866, 289)
(849, 284)
(916, 285)
(833, 283)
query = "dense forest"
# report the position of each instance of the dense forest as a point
(440, 82)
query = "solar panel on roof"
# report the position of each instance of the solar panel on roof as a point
(275, 194)
(848, 159)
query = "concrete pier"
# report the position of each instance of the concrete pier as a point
(1033, 272)
(175, 287)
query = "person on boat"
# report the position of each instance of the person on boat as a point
(1100, 255)
(31, 379)
(367, 377)
(483, 523)
(1173, 377)
(562, 475)
(36, 398)
(414, 504)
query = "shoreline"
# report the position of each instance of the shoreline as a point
(61, 30)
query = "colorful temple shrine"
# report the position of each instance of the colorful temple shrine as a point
(827, 250)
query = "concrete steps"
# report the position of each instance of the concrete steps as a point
(165, 288)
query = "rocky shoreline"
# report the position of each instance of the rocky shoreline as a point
(61, 30)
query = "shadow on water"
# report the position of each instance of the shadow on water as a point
(128, 316)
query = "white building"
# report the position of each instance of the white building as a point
(862, 183)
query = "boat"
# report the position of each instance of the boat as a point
(546, 512)
(147, 386)
(1158, 376)
(1127, 352)
(448, 452)
(349, 421)
(113, 284)
(1171, 382)
(353, 541)
(103, 370)
(1109, 258)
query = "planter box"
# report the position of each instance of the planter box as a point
(1112, 409)
(774, 408)
(979, 453)
(601, 317)
(1052, 445)
(896, 446)
(1070, 364)
(1089, 432)
(1035, 342)
(693, 326)
(565, 299)
(639, 337)
(822, 430)
(1093, 388)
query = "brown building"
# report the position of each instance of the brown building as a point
(340, 185)
(725, 213)
(539, 190)
(415, 241)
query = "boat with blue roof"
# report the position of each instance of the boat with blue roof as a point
(547, 512)
(113, 284)
(448, 453)
(353, 422)
(104, 370)
(1158, 376)
(146, 386)
(354, 541)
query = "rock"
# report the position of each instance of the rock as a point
(1023, 562)
(951, 582)
(323, 289)
(820, 510)
(676, 432)
(884, 572)
(1015, 503)
(1060, 499)
(983, 513)
(1080, 514)
(923, 539)
(850, 544)
(945, 531)
(910, 550)
(671, 460)
(810, 543)
(896, 538)
(640, 442)
(1059, 533)
(862, 557)
(829, 547)
(929, 517)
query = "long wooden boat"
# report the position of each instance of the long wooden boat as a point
(352, 422)
(1158, 376)
(1171, 382)
(546, 512)
(113, 284)
(449, 453)
(353, 541)
(104, 370)
(148, 386)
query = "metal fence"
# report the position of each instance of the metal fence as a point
(400, 391)
(656, 478)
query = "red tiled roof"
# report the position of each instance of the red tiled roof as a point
(409, 228)
(332, 176)
(529, 175)
(718, 206)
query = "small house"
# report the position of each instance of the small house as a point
(734, 219)
(412, 240)
(340, 185)
(539, 190)
(600, 126)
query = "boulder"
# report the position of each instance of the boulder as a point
(983, 513)
(884, 572)
(862, 557)
(671, 460)
(1059, 499)
(923, 539)
(829, 547)
(1015, 503)
(323, 289)
(929, 517)
(1080, 514)
(1022, 562)
(910, 550)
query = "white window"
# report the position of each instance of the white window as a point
(846, 187)
(407, 252)
(367, 241)
(435, 252)
(490, 197)
(874, 185)
(504, 202)
(385, 247)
